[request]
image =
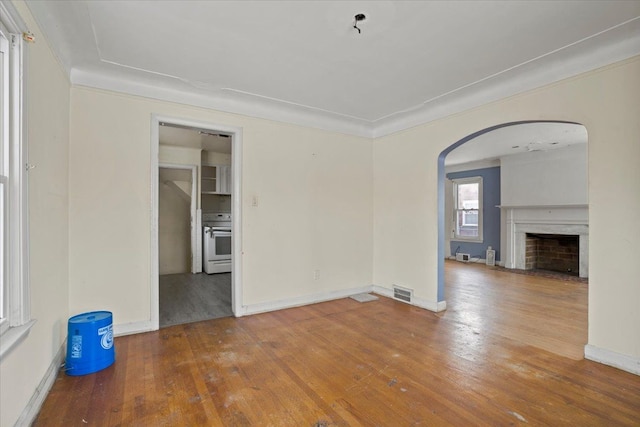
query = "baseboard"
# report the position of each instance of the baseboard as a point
(132, 328)
(473, 260)
(30, 412)
(299, 301)
(611, 358)
(418, 302)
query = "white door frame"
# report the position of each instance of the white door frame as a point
(236, 210)
(193, 230)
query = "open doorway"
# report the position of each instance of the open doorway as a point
(502, 190)
(193, 172)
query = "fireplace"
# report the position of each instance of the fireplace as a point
(530, 230)
(553, 252)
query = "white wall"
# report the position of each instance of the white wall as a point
(314, 190)
(606, 103)
(555, 177)
(48, 137)
(183, 156)
(179, 155)
(215, 158)
(174, 223)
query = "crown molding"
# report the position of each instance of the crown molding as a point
(560, 65)
(11, 17)
(548, 69)
(226, 101)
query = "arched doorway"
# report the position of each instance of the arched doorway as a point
(540, 196)
(441, 187)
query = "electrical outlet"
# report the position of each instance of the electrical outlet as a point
(316, 274)
(254, 201)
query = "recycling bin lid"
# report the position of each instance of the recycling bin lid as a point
(92, 316)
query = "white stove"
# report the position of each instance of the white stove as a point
(216, 242)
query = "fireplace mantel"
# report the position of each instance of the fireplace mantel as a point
(545, 219)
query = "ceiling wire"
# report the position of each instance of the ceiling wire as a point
(359, 17)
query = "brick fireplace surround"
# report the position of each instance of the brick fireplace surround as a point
(554, 252)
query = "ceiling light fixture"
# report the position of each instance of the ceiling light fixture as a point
(359, 17)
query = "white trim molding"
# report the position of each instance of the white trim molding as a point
(264, 307)
(563, 63)
(611, 358)
(16, 320)
(227, 101)
(480, 209)
(302, 300)
(133, 328)
(236, 210)
(11, 17)
(30, 412)
(556, 219)
(435, 306)
(14, 336)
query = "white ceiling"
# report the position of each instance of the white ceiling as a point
(516, 139)
(302, 62)
(201, 139)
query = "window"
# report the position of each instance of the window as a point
(4, 174)
(15, 319)
(467, 209)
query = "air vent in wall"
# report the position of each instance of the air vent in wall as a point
(402, 294)
(463, 257)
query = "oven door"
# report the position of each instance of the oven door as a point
(219, 244)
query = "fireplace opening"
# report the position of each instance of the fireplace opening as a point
(553, 252)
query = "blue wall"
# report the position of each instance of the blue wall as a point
(490, 213)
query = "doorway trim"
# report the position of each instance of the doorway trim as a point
(193, 228)
(236, 209)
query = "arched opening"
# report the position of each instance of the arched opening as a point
(536, 197)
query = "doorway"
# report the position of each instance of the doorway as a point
(181, 292)
(533, 176)
(535, 138)
(186, 295)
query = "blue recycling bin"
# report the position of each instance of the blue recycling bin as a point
(90, 343)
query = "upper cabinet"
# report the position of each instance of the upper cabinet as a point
(216, 179)
(224, 179)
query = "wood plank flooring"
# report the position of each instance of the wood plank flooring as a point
(344, 363)
(550, 314)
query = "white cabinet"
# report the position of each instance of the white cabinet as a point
(224, 179)
(216, 179)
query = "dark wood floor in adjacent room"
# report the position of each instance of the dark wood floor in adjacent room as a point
(497, 356)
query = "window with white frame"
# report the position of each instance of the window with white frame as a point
(467, 209)
(4, 173)
(14, 296)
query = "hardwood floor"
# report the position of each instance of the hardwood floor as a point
(550, 314)
(344, 363)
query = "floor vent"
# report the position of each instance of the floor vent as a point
(402, 294)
